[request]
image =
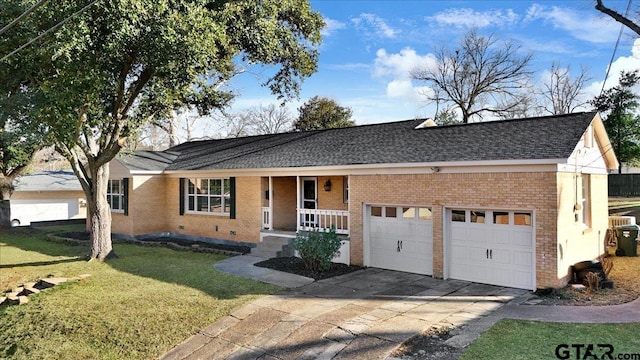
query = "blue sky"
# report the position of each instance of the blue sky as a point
(369, 47)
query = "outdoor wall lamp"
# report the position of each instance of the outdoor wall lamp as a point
(327, 185)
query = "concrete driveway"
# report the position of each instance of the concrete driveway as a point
(362, 315)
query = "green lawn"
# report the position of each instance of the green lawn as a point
(137, 306)
(515, 339)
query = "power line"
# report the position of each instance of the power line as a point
(22, 16)
(615, 49)
(54, 28)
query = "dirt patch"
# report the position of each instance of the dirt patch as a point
(296, 266)
(430, 345)
(626, 280)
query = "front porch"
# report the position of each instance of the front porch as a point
(296, 203)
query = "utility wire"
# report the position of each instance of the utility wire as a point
(615, 49)
(54, 28)
(22, 16)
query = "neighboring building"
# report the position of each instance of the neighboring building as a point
(511, 203)
(47, 195)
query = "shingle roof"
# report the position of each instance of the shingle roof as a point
(549, 137)
(63, 180)
(148, 160)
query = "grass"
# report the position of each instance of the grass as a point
(516, 339)
(137, 306)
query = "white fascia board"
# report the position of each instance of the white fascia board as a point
(544, 165)
(145, 172)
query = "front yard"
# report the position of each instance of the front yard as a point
(137, 306)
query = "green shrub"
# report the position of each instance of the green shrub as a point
(316, 248)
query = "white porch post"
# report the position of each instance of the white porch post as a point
(297, 203)
(270, 203)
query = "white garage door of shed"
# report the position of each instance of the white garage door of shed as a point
(27, 211)
(401, 238)
(492, 247)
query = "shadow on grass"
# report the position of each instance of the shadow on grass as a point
(41, 263)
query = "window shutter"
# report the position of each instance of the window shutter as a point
(125, 197)
(232, 197)
(181, 196)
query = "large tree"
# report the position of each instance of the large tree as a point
(561, 92)
(322, 113)
(629, 21)
(120, 62)
(618, 106)
(480, 75)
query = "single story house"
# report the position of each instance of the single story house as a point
(47, 196)
(512, 203)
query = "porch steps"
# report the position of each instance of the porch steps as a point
(273, 246)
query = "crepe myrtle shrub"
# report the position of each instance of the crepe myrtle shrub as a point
(316, 248)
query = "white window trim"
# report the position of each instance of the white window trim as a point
(585, 201)
(118, 194)
(222, 197)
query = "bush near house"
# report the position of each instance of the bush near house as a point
(317, 248)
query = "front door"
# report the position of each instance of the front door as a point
(309, 198)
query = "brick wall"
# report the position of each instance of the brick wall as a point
(532, 191)
(245, 227)
(333, 199)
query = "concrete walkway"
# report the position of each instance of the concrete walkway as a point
(362, 315)
(243, 266)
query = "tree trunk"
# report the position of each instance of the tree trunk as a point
(100, 215)
(6, 189)
(173, 130)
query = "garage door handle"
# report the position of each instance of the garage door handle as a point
(487, 253)
(491, 254)
(398, 245)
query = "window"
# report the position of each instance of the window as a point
(390, 212)
(376, 211)
(500, 217)
(408, 213)
(477, 217)
(209, 196)
(522, 219)
(345, 188)
(458, 215)
(424, 213)
(115, 195)
(586, 200)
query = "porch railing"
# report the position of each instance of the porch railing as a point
(266, 224)
(311, 219)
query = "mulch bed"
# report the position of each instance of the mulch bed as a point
(296, 266)
(168, 241)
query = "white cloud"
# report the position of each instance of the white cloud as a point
(401, 64)
(331, 26)
(580, 24)
(623, 63)
(469, 18)
(379, 25)
(396, 70)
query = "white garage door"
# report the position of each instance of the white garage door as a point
(401, 238)
(27, 211)
(492, 247)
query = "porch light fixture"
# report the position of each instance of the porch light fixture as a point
(327, 185)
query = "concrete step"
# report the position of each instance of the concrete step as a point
(265, 254)
(272, 246)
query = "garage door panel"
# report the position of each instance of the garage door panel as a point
(412, 236)
(500, 254)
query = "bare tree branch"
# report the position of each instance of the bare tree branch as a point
(618, 17)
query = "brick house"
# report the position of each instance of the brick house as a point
(512, 202)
